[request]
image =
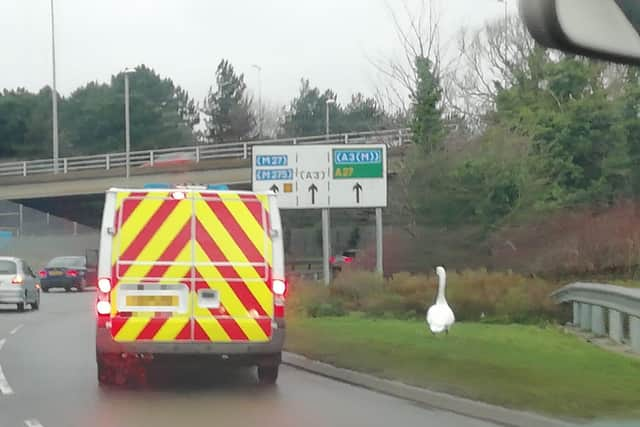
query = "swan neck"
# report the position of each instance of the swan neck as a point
(442, 283)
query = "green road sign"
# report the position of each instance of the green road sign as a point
(354, 163)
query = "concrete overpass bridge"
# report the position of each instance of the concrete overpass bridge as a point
(227, 163)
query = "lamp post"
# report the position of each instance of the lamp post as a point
(54, 95)
(329, 102)
(260, 111)
(127, 121)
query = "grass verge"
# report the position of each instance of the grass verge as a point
(534, 368)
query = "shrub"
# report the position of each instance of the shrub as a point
(474, 295)
(353, 286)
(583, 240)
(313, 299)
(333, 308)
(304, 294)
(509, 297)
(388, 305)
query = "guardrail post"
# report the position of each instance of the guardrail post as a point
(24, 168)
(295, 141)
(576, 313)
(108, 162)
(615, 326)
(197, 154)
(151, 158)
(400, 137)
(65, 165)
(244, 150)
(585, 316)
(634, 333)
(346, 138)
(597, 320)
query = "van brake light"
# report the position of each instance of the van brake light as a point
(104, 284)
(17, 280)
(103, 307)
(279, 287)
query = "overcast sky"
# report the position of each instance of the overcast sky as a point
(329, 41)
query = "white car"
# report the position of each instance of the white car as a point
(18, 284)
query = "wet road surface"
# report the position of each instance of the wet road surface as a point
(48, 379)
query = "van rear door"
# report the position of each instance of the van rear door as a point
(152, 274)
(233, 255)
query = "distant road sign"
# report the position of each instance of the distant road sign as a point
(274, 160)
(360, 163)
(274, 174)
(322, 176)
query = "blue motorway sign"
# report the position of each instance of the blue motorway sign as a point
(357, 157)
(274, 174)
(272, 160)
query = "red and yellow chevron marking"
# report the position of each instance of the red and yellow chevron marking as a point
(230, 231)
(231, 253)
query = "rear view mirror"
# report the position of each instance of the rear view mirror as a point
(606, 29)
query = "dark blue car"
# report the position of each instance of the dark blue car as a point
(64, 272)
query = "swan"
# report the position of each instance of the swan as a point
(440, 316)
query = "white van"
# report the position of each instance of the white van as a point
(189, 273)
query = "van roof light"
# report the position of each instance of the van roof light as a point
(218, 187)
(157, 186)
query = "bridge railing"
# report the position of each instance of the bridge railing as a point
(233, 150)
(604, 310)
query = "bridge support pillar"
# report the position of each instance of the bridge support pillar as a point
(597, 321)
(634, 332)
(615, 326)
(576, 313)
(585, 316)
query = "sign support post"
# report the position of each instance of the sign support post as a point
(379, 266)
(326, 246)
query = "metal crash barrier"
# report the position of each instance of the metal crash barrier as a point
(604, 310)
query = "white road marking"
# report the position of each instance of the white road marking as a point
(5, 388)
(2, 341)
(32, 423)
(16, 329)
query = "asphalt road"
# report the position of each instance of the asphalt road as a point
(48, 379)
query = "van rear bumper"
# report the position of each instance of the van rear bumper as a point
(105, 344)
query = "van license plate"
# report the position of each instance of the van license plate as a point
(152, 300)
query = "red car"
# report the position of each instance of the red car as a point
(339, 261)
(170, 159)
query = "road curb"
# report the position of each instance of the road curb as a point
(458, 405)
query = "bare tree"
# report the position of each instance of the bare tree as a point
(417, 28)
(493, 58)
(418, 32)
